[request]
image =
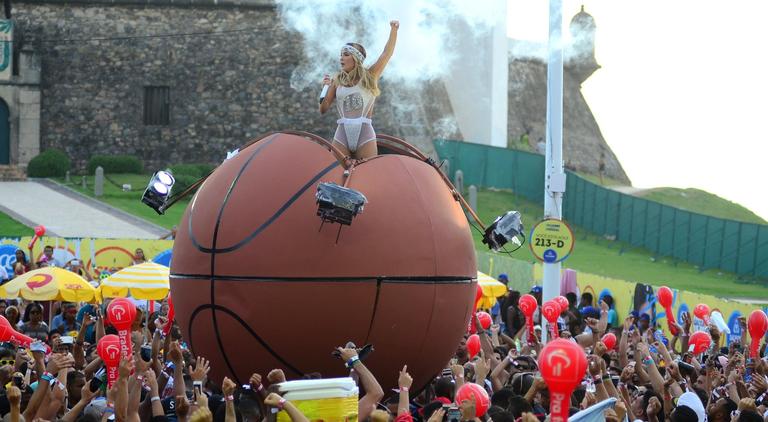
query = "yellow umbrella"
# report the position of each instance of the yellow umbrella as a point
(49, 283)
(491, 290)
(143, 281)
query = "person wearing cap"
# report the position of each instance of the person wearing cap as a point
(536, 292)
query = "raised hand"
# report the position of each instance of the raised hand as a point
(654, 406)
(228, 387)
(202, 367)
(255, 381)
(276, 376)
(404, 380)
(394, 24)
(175, 355)
(273, 399)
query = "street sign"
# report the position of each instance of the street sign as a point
(551, 240)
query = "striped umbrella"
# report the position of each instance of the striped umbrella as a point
(142, 281)
(492, 289)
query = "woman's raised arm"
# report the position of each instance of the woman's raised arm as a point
(389, 49)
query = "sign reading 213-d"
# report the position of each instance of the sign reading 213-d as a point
(551, 240)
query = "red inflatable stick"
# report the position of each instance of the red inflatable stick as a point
(551, 311)
(563, 302)
(757, 324)
(473, 320)
(482, 401)
(171, 316)
(702, 312)
(485, 319)
(8, 334)
(39, 232)
(563, 364)
(665, 297)
(699, 342)
(609, 340)
(528, 305)
(120, 313)
(109, 351)
(473, 345)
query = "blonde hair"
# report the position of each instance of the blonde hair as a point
(202, 414)
(358, 74)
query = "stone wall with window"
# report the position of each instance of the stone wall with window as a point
(100, 60)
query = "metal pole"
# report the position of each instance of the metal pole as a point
(554, 182)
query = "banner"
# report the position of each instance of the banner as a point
(98, 255)
(6, 49)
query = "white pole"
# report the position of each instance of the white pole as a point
(554, 182)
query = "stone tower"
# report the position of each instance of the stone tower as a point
(580, 56)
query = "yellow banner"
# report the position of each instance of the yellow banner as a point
(97, 255)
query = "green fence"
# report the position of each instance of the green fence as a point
(708, 242)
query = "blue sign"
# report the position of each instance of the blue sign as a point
(683, 308)
(550, 256)
(163, 258)
(8, 257)
(733, 324)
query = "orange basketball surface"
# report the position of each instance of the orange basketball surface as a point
(257, 283)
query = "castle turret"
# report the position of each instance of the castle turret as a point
(580, 57)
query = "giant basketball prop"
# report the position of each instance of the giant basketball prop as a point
(258, 284)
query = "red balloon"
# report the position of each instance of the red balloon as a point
(563, 364)
(482, 401)
(699, 342)
(609, 339)
(551, 311)
(757, 324)
(9, 334)
(109, 352)
(478, 294)
(40, 231)
(563, 302)
(528, 305)
(485, 320)
(121, 312)
(665, 296)
(473, 345)
(702, 312)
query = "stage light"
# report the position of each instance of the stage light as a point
(506, 228)
(337, 204)
(158, 190)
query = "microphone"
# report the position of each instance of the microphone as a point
(323, 93)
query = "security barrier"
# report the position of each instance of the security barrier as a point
(708, 242)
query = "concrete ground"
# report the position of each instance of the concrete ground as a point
(67, 213)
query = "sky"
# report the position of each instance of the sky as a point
(682, 92)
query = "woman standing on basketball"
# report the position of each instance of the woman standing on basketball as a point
(355, 88)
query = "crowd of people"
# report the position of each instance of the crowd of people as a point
(651, 377)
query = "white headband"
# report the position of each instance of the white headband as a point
(353, 51)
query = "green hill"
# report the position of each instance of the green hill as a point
(699, 201)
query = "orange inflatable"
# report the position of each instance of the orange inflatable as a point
(257, 283)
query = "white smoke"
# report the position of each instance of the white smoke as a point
(424, 43)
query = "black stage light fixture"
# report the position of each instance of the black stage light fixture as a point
(158, 190)
(506, 228)
(337, 204)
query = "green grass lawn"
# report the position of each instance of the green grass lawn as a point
(596, 255)
(12, 228)
(131, 201)
(702, 202)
